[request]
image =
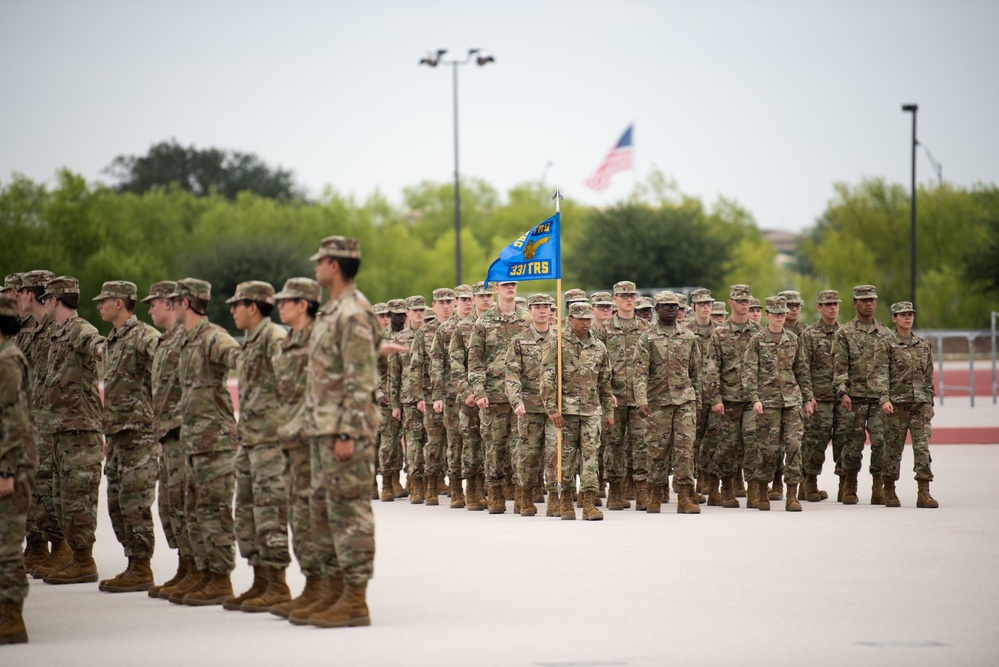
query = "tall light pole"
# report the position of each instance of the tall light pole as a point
(914, 108)
(432, 59)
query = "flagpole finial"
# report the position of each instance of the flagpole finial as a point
(557, 197)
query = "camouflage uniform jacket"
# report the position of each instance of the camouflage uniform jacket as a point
(774, 373)
(702, 333)
(621, 338)
(165, 380)
(491, 337)
(290, 363)
(586, 385)
(71, 386)
(343, 374)
(416, 378)
(904, 370)
(399, 393)
(258, 398)
(381, 391)
(128, 360)
(729, 341)
(798, 328)
(816, 351)
(854, 347)
(206, 355)
(457, 352)
(24, 334)
(524, 369)
(17, 432)
(667, 366)
(441, 385)
(37, 352)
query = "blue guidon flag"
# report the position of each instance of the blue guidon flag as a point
(537, 255)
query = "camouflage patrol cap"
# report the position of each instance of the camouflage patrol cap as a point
(463, 291)
(776, 305)
(740, 291)
(416, 302)
(643, 302)
(701, 296)
(581, 310)
(601, 299)
(117, 289)
(253, 290)
(36, 278)
(505, 282)
(718, 308)
(574, 295)
(13, 282)
(431, 316)
(62, 285)
(520, 301)
(397, 306)
(8, 306)
(683, 299)
(480, 289)
(865, 292)
(443, 294)
(755, 303)
(792, 297)
(193, 288)
(828, 296)
(902, 307)
(625, 287)
(160, 290)
(667, 297)
(338, 246)
(380, 308)
(539, 298)
(301, 288)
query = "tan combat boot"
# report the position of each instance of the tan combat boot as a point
(792, 504)
(398, 490)
(81, 570)
(349, 611)
(216, 591)
(276, 593)
(685, 503)
(416, 488)
(432, 492)
(374, 488)
(258, 586)
(332, 590)
(728, 493)
(850, 488)
(590, 511)
(35, 553)
(628, 487)
(751, 494)
(311, 592)
(527, 507)
(58, 558)
(539, 493)
(182, 565)
(138, 577)
(777, 491)
(812, 489)
(387, 494)
(762, 501)
(842, 485)
(615, 501)
(641, 495)
(12, 630)
(194, 580)
(566, 509)
(457, 496)
(923, 497)
(891, 498)
(472, 501)
(552, 505)
(696, 497)
(497, 499)
(508, 491)
(877, 490)
(655, 504)
(714, 496)
(517, 492)
(739, 485)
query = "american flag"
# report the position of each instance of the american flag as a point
(617, 160)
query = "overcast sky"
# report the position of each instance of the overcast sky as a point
(768, 103)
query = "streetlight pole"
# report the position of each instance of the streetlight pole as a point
(913, 108)
(432, 59)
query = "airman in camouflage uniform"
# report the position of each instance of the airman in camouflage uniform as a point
(403, 397)
(603, 310)
(342, 421)
(381, 312)
(667, 367)
(904, 381)
(731, 423)
(718, 313)
(444, 393)
(208, 434)
(586, 397)
(793, 324)
(643, 308)
(628, 434)
(131, 466)
(390, 457)
(854, 347)
(18, 459)
(702, 328)
(775, 380)
(826, 420)
(261, 516)
(756, 310)
(487, 348)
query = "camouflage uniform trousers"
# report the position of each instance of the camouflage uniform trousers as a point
(390, 460)
(299, 461)
(13, 526)
(497, 424)
(452, 429)
(581, 437)
(728, 437)
(131, 469)
(433, 448)
(671, 443)
(43, 520)
(823, 425)
(551, 457)
(170, 499)
(471, 440)
(261, 516)
(348, 547)
(778, 431)
(209, 482)
(533, 432)
(628, 434)
(76, 483)
(914, 418)
(702, 450)
(864, 415)
(416, 438)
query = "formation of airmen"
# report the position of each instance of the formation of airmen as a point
(465, 396)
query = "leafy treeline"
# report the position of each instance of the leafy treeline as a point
(658, 238)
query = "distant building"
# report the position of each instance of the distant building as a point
(786, 244)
